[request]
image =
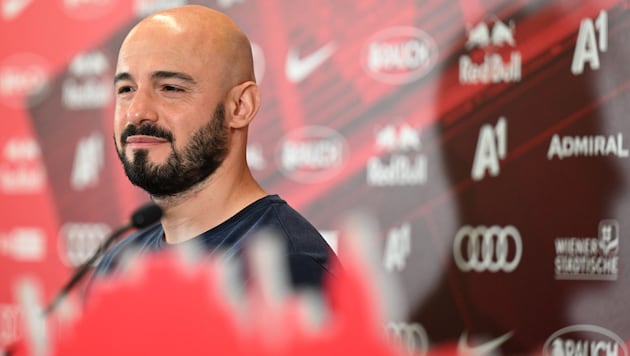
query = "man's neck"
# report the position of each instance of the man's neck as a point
(207, 205)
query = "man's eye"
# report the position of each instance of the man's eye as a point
(124, 89)
(171, 88)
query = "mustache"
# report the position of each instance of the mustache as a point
(146, 130)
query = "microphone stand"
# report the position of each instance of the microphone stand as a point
(144, 216)
(85, 267)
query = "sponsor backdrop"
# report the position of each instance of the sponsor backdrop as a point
(489, 139)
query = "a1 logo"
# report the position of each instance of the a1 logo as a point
(491, 147)
(589, 44)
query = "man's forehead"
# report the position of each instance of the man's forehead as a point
(168, 46)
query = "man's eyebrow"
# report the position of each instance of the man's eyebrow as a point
(122, 76)
(162, 74)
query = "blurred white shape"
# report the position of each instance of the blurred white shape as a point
(332, 238)
(28, 294)
(89, 161)
(25, 244)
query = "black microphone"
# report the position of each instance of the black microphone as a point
(144, 216)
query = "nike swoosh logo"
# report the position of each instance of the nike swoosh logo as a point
(482, 349)
(297, 69)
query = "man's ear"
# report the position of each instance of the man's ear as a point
(242, 104)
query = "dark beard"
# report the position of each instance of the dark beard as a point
(183, 169)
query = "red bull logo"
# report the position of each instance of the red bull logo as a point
(494, 67)
(483, 36)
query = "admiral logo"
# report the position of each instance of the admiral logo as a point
(24, 244)
(88, 9)
(79, 241)
(587, 146)
(255, 157)
(146, 7)
(405, 164)
(22, 171)
(397, 248)
(491, 249)
(24, 76)
(589, 258)
(10, 324)
(89, 161)
(399, 55)
(312, 154)
(89, 85)
(486, 40)
(584, 340)
(412, 337)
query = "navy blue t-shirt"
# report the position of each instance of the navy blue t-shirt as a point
(308, 255)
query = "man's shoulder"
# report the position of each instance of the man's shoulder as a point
(292, 222)
(275, 213)
(148, 238)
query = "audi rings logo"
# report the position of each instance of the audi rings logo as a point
(492, 249)
(79, 241)
(410, 336)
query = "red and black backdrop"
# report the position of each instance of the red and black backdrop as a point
(489, 139)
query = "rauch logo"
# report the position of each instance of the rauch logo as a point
(399, 55)
(312, 154)
(584, 340)
(24, 76)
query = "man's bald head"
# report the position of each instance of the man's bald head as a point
(200, 32)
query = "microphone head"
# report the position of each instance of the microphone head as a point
(146, 215)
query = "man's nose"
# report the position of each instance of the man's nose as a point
(142, 108)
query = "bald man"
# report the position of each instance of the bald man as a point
(185, 96)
